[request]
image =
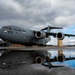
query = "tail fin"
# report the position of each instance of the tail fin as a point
(49, 28)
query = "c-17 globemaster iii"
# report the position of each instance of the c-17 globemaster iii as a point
(18, 35)
(15, 34)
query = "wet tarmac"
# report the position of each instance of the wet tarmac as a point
(37, 69)
(36, 48)
(21, 63)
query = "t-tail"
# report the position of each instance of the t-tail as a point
(49, 28)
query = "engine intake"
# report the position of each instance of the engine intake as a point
(60, 36)
(38, 60)
(39, 34)
(61, 58)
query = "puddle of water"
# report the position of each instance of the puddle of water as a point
(67, 53)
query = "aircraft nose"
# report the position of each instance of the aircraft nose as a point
(0, 33)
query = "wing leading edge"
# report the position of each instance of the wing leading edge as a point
(55, 34)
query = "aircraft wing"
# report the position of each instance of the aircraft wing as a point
(69, 35)
(49, 65)
(54, 34)
(66, 59)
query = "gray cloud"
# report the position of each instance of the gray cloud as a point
(28, 13)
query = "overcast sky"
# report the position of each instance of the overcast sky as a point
(37, 14)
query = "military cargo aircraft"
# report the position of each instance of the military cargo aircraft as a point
(15, 34)
(18, 35)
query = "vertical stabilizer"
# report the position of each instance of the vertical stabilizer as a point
(48, 29)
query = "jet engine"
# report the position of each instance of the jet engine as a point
(38, 60)
(39, 34)
(61, 58)
(60, 36)
(42, 55)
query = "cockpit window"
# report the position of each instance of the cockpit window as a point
(5, 27)
(9, 28)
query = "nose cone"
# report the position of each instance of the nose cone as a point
(1, 33)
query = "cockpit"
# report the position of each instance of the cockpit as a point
(13, 28)
(8, 28)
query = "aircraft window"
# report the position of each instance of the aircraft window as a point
(9, 28)
(5, 27)
(19, 30)
(15, 29)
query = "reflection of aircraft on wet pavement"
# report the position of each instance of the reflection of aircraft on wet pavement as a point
(28, 37)
(39, 54)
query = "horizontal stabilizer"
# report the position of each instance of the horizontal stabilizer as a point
(49, 27)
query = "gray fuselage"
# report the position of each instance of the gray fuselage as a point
(15, 34)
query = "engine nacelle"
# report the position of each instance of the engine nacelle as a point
(39, 34)
(38, 60)
(61, 58)
(60, 36)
